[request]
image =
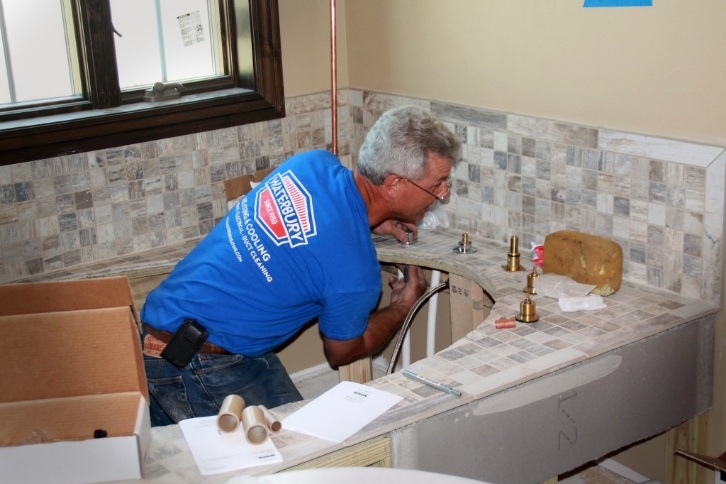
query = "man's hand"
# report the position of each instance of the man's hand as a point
(396, 228)
(383, 323)
(406, 290)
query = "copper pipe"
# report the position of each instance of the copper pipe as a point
(334, 76)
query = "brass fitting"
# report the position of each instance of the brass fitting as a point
(530, 289)
(513, 255)
(527, 311)
(464, 246)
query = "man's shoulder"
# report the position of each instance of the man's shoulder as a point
(318, 157)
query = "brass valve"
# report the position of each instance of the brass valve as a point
(530, 289)
(464, 246)
(513, 255)
(527, 311)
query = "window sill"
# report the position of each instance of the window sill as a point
(64, 134)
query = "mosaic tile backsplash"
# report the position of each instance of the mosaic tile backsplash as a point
(661, 200)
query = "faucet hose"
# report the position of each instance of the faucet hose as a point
(407, 322)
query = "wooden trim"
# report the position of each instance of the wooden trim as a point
(101, 71)
(360, 371)
(375, 453)
(467, 305)
(689, 436)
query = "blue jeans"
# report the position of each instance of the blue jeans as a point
(198, 389)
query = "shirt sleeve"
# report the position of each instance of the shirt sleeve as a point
(347, 316)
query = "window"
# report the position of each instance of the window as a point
(179, 39)
(105, 94)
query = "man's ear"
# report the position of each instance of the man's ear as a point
(392, 184)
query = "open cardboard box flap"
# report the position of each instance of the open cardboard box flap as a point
(72, 365)
(70, 354)
(238, 186)
(44, 297)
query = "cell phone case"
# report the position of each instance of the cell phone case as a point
(185, 343)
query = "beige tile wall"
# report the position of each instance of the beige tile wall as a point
(662, 200)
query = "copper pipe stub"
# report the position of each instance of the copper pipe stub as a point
(527, 311)
(530, 289)
(464, 246)
(334, 76)
(513, 255)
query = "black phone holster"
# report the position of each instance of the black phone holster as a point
(185, 343)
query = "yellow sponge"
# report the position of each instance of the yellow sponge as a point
(585, 258)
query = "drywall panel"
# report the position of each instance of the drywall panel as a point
(556, 423)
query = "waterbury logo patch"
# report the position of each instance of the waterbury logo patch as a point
(285, 210)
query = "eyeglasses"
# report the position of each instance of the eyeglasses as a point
(441, 197)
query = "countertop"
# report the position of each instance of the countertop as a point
(485, 362)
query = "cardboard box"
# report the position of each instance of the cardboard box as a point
(236, 188)
(72, 365)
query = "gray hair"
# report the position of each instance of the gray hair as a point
(401, 141)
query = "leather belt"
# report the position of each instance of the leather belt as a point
(165, 336)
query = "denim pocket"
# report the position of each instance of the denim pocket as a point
(212, 362)
(260, 381)
(167, 388)
(222, 375)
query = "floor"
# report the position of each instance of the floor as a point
(315, 382)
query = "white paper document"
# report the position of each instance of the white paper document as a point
(215, 451)
(341, 411)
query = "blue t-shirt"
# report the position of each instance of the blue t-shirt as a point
(297, 247)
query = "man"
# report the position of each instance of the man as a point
(295, 249)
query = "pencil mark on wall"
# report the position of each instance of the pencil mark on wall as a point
(568, 434)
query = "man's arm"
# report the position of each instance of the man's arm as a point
(382, 324)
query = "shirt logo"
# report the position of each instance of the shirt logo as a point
(284, 210)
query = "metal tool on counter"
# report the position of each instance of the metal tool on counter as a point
(431, 383)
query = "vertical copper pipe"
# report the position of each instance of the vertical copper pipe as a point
(334, 77)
